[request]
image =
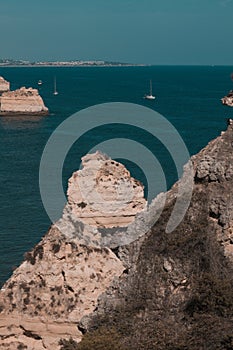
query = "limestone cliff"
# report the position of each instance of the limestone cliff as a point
(4, 85)
(57, 284)
(22, 101)
(158, 291)
(103, 194)
(62, 277)
(177, 289)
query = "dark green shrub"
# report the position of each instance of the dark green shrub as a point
(212, 295)
(100, 339)
(70, 344)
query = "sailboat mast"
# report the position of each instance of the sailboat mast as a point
(150, 96)
(55, 86)
(151, 87)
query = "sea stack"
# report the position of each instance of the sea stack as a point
(4, 85)
(62, 277)
(22, 101)
(103, 194)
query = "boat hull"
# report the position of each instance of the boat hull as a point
(149, 97)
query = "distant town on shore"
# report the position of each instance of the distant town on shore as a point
(73, 63)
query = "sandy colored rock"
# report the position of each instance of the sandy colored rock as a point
(58, 283)
(103, 194)
(4, 85)
(63, 281)
(177, 292)
(22, 101)
(228, 99)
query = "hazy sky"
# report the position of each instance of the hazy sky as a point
(137, 31)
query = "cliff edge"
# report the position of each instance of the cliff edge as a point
(62, 277)
(177, 289)
(144, 288)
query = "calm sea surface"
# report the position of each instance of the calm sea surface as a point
(189, 97)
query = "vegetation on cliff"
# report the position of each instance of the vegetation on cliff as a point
(178, 292)
(179, 295)
(162, 291)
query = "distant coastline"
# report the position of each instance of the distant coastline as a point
(75, 63)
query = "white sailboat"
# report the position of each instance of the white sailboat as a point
(55, 86)
(150, 96)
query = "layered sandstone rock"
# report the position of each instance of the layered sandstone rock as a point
(22, 101)
(103, 194)
(176, 286)
(228, 100)
(62, 277)
(57, 284)
(105, 207)
(4, 85)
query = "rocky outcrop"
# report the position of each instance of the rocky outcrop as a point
(214, 169)
(154, 289)
(177, 289)
(57, 284)
(103, 194)
(4, 85)
(22, 101)
(105, 207)
(62, 277)
(228, 99)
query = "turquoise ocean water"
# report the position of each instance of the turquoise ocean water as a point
(189, 97)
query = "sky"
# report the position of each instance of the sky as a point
(173, 32)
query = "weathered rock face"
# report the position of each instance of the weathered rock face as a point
(228, 100)
(214, 169)
(22, 101)
(162, 291)
(57, 284)
(103, 194)
(4, 85)
(105, 205)
(178, 289)
(61, 279)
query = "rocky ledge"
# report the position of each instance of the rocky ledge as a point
(22, 101)
(228, 99)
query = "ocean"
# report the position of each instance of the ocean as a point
(187, 96)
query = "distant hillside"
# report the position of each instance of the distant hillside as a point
(91, 63)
